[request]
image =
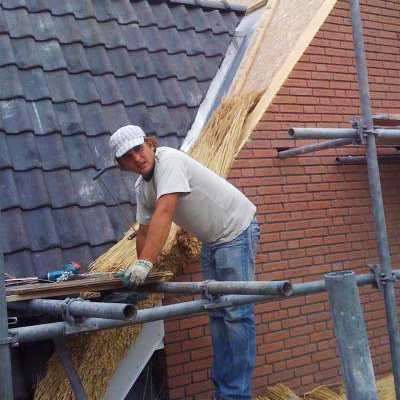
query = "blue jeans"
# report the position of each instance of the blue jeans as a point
(232, 329)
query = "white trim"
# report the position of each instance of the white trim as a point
(130, 367)
(246, 26)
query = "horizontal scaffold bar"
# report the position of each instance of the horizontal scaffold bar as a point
(363, 160)
(339, 133)
(77, 308)
(64, 328)
(223, 287)
(330, 144)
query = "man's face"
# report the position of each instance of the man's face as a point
(140, 160)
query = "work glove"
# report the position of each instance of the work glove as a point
(135, 274)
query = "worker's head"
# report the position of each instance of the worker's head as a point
(133, 150)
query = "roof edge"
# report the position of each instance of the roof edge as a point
(221, 5)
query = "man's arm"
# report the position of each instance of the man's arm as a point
(152, 238)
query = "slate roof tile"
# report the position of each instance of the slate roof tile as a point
(45, 236)
(18, 23)
(107, 89)
(51, 55)
(115, 117)
(34, 84)
(98, 225)
(6, 51)
(20, 264)
(5, 160)
(42, 26)
(185, 19)
(84, 88)
(93, 119)
(10, 85)
(75, 58)
(52, 152)
(8, 190)
(3, 23)
(72, 234)
(32, 191)
(99, 61)
(90, 32)
(70, 74)
(14, 115)
(42, 116)
(121, 63)
(173, 92)
(133, 37)
(87, 190)
(112, 35)
(78, 152)
(68, 30)
(129, 90)
(162, 15)
(68, 117)
(25, 154)
(82, 9)
(144, 13)
(123, 11)
(59, 86)
(12, 226)
(118, 215)
(25, 53)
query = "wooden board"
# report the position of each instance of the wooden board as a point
(88, 284)
(288, 31)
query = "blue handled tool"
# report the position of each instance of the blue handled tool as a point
(71, 268)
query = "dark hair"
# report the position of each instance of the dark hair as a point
(149, 139)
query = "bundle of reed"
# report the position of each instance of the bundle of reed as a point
(97, 355)
(278, 392)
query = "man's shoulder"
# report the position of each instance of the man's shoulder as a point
(166, 152)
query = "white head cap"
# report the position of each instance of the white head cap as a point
(126, 138)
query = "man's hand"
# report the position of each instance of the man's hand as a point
(135, 274)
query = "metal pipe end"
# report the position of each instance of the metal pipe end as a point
(129, 311)
(287, 288)
(291, 132)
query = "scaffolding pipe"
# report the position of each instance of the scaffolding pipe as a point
(350, 334)
(323, 133)
(363, 160)
(69, 369)
(387, 133)
(330, 144)
(77, 308)
(223, 287)
(5, 357)
(64, 328)
(376, 193)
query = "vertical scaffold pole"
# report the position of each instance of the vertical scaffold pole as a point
(351, 337)
(376, 192)
(6, 387)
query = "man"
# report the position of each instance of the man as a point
(174, 187)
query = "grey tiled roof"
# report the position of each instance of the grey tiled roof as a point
(72, 72)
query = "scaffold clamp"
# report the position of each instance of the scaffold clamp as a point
(380, 277)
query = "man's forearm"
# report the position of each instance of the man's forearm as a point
(157, 234)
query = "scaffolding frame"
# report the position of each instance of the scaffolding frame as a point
(364, 132)
(244, 292)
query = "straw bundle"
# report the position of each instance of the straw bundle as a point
(97, 355)
(278, 392)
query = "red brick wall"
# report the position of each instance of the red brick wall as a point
(315, 214)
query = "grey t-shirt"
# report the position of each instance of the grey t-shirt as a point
(209, 207)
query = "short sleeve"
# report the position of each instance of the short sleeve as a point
(172, 177)
(143, 213)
